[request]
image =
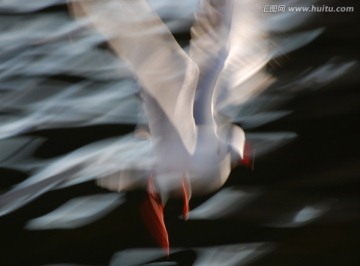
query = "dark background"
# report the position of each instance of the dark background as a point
(321, 165)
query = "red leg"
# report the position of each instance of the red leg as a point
(185, 191)
(152, 212)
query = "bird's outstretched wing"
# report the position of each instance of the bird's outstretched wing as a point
(257, 37)
(252, 39)
(228, 40)
(166, 73)
(209, 50)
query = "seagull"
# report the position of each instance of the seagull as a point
(195, 150)
(193, 143)
(195, 146)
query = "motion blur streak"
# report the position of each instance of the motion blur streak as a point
(218, 255)
(77, 212)
(222, 204)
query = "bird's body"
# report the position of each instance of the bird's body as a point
(206, 169)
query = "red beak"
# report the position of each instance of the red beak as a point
(247, 159)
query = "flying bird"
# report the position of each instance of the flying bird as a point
(194, 151)
(193, 143)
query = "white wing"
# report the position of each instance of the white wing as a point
(208, 49)
(166, 73)
(238, 36)
(256, 38)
